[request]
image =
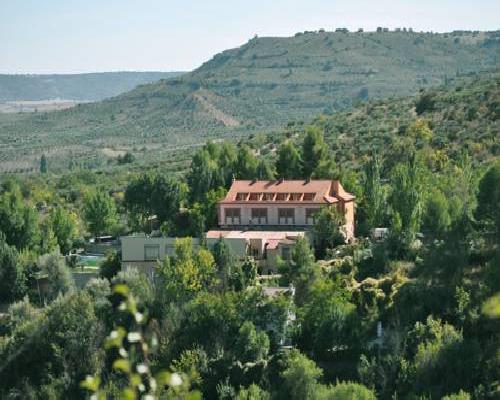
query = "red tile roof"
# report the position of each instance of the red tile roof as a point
(304, 191)
(264, 235)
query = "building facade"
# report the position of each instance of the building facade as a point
(283, 205)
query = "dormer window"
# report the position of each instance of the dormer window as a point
(241, 196)
(254, 196)
(308, 196)
(267, 196)
(281, 196)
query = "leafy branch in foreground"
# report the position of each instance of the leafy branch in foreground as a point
(128, 347)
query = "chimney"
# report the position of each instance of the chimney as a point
(254, 180)
(335, 187)
(280, 180)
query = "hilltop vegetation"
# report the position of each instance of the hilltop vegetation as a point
(82, 87)
(259, 86)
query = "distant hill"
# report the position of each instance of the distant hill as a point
(80, 87)
(259, 86)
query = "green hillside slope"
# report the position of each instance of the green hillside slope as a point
(260, 86)
(89, 87)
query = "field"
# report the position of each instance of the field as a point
(258, 87)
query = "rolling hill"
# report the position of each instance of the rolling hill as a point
(258, 86)
(79, 87)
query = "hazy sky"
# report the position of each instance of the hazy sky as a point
(66, 36)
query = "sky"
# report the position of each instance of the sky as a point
(70, 36)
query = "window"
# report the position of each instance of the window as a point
(254, 196)
(308, 196)
(295, 197)
(285, 253)
(267, 196)
(233, 216)
(170, 249)
(281, 196)
(259, 216)
(151, 252)
(286, 216)
(310, 213)
(241, 196)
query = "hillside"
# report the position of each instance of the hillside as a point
(260, 86)
(81, 87)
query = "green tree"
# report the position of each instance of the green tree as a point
(18, 219)
(251, 345)
(300, 377)
(327, 230)
(110, 266)
(99, 211)
(48, 240)
(224, 260)
(153, 194)
(461, 395)
(488, 197)
(328, 320)
(203, 175)
(314, 150)
(253, 392)
(65, 227)
(288, 163)
(12, 276)
(437, 216)
(187, 273)
(246, 163)
(407, 200)
(346, 391)
(43, 164)
(265, 170)
(59, 275)
(374, 194)
(226, 162)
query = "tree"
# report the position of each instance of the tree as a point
(18, 219)
(153, 194)
(328, 230)
(265, 170)
(488, 197)
(437, 216)
(65, 227)
(12, 277)
(43, 164)
(251, 345)
(407, 200)
(48, 242)
(461, 395)
(110, 266)
(203, 175)
(346, 391)
(374, 194)
(99, 211)
(227, 159)
(328, 320)
(301, 377)
(246, 163)
(314, 150)
(187, 273)
(224, 260)
(288, 163)
(59, 275)
(253, 392)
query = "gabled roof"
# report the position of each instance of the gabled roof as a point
(284, 191)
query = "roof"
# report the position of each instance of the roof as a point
(264, 235)
(286, 191)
